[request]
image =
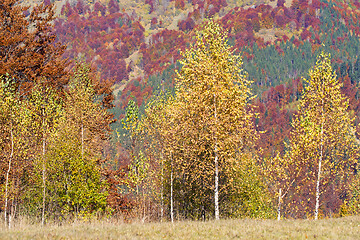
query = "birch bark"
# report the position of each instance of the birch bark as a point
(8, 173)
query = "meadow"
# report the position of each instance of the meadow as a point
(335, 228)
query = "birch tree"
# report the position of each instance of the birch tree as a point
(155, 128)
(74, 155)
(45, 108)
(211, 121)
(9, 108)
(14, 142)
(84, 110)
(140, 173)
(323, 149)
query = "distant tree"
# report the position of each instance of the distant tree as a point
(154, 23)
(180, 4)
(357, 70)
(280, 3)
(99, 8)
(113, 6)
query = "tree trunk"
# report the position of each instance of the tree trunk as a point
(144, 203)
(162, 189)
(216, 190)
(279, 206)
(44, 184)
(12, 213)
(10, 219)
(317, 188)
(8, 172)
(216, 197)
(319, 170)
(171, 193)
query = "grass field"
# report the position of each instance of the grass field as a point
(337, 228)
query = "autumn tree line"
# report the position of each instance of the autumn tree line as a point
(54, 122)
(192, 152)
(201, 139)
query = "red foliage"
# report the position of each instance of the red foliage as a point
(274, 117)
(113, 7)
(163, 49)
(98, 7)
(180, 4)
(104, 40)
(186, 25)
(305, 35)
(280, 3)
(153, 23)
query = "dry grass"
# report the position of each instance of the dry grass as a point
(340, 228)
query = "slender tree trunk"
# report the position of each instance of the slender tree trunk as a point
(44, 184)
(10, 219)
(319, 170)
(162, 205)
(318, 185)
(216, 197)
(144, 203)
(279, 206)
(8, 173)
(216, 190)
(162, 188)
(137, 187)
(12, 213)
(171, 193)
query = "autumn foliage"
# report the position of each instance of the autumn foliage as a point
(105, 111)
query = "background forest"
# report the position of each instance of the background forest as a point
(163, 110)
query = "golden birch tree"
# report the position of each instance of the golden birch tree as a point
(15, 142)
(138, 167)
(158, 145)
(72, 181)
(84, 110)
(46, 109)
(209, 129)
(323, 149)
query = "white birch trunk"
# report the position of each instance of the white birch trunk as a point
(10, 218)
(216, 197)
(216, 190)
(317, 188)
(44, 185)
(279, 206)
(317, 204)
(12, 214)
(171, 193)
(162, 205)
(162, 189)
(8, 173)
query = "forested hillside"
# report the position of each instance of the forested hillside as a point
(179, 109)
